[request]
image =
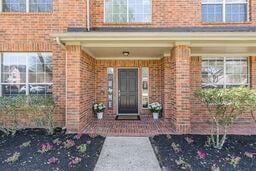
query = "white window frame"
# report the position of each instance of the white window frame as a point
(128, 18)
(27, 83)
(223, 3)
(225, 69)
(27, 7)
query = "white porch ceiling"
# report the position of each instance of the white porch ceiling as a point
(109, 45)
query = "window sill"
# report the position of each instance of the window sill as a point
(225, 23)
(26, 13)
(136, 23)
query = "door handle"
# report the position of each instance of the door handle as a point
(119, 93)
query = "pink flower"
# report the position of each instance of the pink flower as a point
(77, 136)
(45, 148)
(53, 160)
(74, 161)
(201, 154)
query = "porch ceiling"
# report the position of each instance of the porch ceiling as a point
(109, 45)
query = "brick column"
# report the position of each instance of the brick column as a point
(253, 71)
(73, 87)
(176, 88)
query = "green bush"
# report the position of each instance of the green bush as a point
(225, 106)
(15, 107)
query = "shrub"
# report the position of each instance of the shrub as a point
(46, 106)
(225, 106)
(12, 108)
(15, 106)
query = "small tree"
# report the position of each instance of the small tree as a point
(225, 106)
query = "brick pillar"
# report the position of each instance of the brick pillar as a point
(73, 87)
(176, 85)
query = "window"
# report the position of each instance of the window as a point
(40, 5)
(145, 88)
(128, 11)
(26, 73)
(225, 10)
(225, 72)
(110, 72)
(26, 5)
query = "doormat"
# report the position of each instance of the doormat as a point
(128, 117)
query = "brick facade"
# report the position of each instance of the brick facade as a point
(172, 79)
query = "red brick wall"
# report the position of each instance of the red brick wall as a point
(154, 80)
(30, 32)
(88, 86)
(173, 13)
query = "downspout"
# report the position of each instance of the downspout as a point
(88, 14)
(66, 81)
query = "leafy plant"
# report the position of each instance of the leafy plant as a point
(82, 148)
(183, 164)
(12, 159)
(234, 161)
(25, 144)
(99, 107)
(44, 148)
(57, 141)
(189, 140)
(155, 107)
(176, 147)
(68, 144)
(225, 106)
(215, 168)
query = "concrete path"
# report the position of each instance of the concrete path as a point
(127, 154)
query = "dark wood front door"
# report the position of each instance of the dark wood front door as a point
(127, 91)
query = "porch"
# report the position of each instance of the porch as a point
(166, 68)
(148, 127)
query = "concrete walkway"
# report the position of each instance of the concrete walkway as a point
(127, 154)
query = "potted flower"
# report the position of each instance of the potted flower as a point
(99, 108)
(155, 108)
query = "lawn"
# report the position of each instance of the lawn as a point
(192, 152)
(34, 149)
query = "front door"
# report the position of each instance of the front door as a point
(128, 91)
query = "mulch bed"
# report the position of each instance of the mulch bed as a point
(49, 152)
(191, 152)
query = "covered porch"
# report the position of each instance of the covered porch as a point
(173, 61)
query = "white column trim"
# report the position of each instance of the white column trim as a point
(1, 5)
(27, 6)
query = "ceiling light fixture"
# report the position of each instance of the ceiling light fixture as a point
(126, 53)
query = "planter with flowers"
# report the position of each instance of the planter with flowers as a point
(156, 109)
(99, 108)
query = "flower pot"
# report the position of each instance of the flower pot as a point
(99, 115)
(155, 115)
